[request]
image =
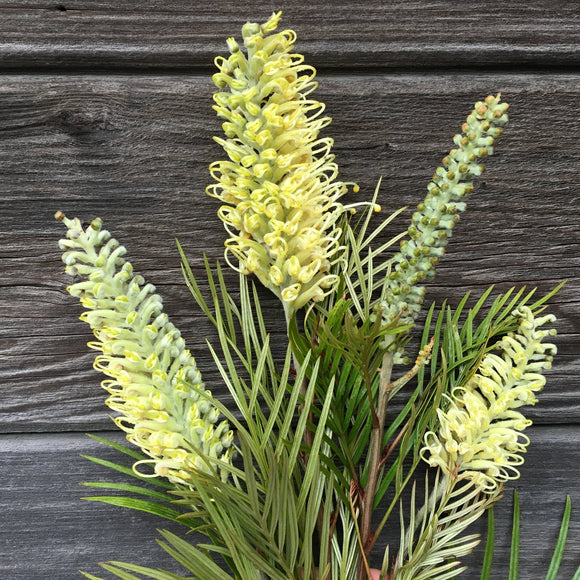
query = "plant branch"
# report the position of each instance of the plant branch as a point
(375, 460)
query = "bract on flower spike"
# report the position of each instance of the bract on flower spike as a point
(480, 432)
(154, 382)
(433, 222)
(279, 185)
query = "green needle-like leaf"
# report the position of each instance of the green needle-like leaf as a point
(515, 546)
(119, 572)
(192, 558)
(488, 556)
(559, 549)
(150, 573)
(129, 489)
(140, 505)
(130, 451)
(118, 567)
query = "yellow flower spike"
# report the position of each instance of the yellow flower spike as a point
(154, 381)
(280, 183)
(480, 433)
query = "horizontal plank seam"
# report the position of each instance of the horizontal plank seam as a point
(103, 432)
(124, 69)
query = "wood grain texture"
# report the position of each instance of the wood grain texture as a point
(135, 151)
(180, 34)
(49, 532)
(105, 110)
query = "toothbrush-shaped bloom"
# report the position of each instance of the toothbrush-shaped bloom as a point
(480, 433)
(433, 222)
(154, 382)
(279, 184)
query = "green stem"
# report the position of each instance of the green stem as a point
(375, 455)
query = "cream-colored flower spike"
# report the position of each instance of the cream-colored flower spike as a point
(154, 382)
(433, 222)
(480, 433)
(279, 185)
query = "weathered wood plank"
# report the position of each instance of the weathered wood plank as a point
(135, 151)
(179, 34)
(49, 532)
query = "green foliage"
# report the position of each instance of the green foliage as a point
(163, 506)
(515, 543)
(256, 529)
(432, 543)
(307, 438)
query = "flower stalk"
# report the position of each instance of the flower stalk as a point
(376, 450)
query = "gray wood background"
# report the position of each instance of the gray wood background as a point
(105, 110)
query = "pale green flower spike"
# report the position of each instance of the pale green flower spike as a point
(433, 222)
(154, 382)
(279, 184)
(480, 432)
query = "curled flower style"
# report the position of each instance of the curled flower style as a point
(433, 222)
(279, 185)
(154, 382)
(480, 433)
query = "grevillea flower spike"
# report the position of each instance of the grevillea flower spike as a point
(154, 382)
(480, 432)
(433, 222)
(279, 185)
